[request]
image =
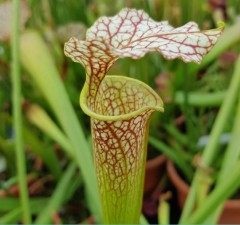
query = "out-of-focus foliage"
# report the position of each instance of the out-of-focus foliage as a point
(192, 95)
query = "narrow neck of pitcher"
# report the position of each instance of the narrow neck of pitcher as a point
(120, 149)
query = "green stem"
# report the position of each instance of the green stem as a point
(201, 99)
(223, 116)
(211, 148)
(163, 212)
(16, 83)
(233, 150)
(230, 159)
(143, 220)
(221, 193)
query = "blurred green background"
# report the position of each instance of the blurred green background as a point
(57, 140)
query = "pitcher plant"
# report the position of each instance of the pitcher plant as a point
(120, 107)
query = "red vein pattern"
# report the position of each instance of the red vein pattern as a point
(121, 95)
(120, 146)
(131, 33)
(120, 153)
(120, 107)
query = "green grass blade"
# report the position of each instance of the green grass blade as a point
(39, 117)
(13, 207)
(58, 196)
(230, 159)
(171, 154)
(10, 203)
(46, 153)
(11, 217)
(17, 115)
(37, 60)
(210, 150)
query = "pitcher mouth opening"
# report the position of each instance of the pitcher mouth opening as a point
(120, 98)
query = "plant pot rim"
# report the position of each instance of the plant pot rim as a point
(175, 178)
(154, 171)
